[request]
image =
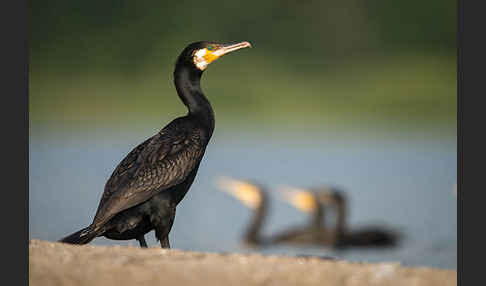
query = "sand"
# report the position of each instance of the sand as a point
(52, 263)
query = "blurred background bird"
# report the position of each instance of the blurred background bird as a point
(255, 196)
(317, 231)
(320, 202)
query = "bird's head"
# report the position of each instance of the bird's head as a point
(248, 193)
(201, 54)
(309, 200)
(330, 195)
(302, 199)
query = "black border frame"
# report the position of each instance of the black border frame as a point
(14, 23)
(459, 34)
(470, 144)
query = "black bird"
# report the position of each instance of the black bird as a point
(318, 203)
(255, 197)
(142, 193)
(324, 199)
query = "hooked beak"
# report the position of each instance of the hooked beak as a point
(231, 48)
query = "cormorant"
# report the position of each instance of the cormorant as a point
(340, 237)
(255, 197)
(142, 193)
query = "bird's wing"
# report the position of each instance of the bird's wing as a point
(159, 163)
(122, 172)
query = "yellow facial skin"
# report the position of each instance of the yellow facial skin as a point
(210, 57)
(301, 199)
(205, 56)
(247, 193)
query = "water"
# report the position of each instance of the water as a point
(402, 184)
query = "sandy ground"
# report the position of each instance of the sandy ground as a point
(61, 264)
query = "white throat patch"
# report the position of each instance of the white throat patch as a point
(199, 59)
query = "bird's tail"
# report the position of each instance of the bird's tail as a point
(81, 237)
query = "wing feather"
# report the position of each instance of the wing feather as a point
(160, 162)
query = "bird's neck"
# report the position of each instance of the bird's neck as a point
(188, 85)
(318, 219)
(341, 226)
(253, 233)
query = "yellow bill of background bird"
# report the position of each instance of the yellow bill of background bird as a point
(247, 193)
(302, 199)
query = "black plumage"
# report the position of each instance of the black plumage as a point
(142, 193)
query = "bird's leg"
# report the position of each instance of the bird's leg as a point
(162, 220)
(164, 243)
(141, 240)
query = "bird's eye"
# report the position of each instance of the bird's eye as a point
(210, 48)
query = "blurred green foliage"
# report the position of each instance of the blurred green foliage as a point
(319, 63)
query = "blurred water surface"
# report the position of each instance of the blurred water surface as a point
(403, 182)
